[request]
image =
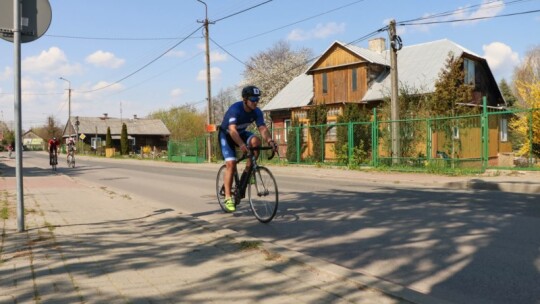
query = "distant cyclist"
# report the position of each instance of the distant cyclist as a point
(70, 148)
(232, 134)
(54, 145)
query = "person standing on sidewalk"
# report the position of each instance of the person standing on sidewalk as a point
(233, 133)
(10, 150)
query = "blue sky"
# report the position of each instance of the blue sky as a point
(94, 44)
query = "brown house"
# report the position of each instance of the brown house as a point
(350, 74)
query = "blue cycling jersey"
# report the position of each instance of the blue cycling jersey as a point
(236, 115)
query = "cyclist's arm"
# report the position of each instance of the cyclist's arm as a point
(236, 138)
(265, 134)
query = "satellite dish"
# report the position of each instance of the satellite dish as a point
(36, 17)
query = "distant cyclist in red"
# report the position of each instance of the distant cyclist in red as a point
(54, 145)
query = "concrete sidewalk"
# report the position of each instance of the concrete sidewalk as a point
(87, 244)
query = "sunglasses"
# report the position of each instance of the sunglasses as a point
(253, 98)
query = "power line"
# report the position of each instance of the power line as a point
(144, 66)
(296, 22)
(119, 38)
(468, 19)
(242, 11)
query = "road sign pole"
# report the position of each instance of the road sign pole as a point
(18, 117)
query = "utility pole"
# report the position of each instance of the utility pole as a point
(395, 45)
(208, 82)
(69, 98)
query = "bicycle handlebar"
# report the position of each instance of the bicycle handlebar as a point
(251, 149)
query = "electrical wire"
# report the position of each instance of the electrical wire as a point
(144, 66)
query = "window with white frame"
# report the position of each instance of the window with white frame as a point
(287, 124)
(455, 132)
(331, 134)
(503, 129)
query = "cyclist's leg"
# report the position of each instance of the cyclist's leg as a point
(229, 155)
(252, 141)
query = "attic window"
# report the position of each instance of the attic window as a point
(324, 83)
(354, 79)
(468, 67)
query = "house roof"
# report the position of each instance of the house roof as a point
(298, 93)
(138, 126)
(418, 66)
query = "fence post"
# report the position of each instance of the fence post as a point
(429, 142)
(298, 145)
(350, 141)
(197, 148)
(169, 150)
(375, 139)
(485, 134)
(530, 136)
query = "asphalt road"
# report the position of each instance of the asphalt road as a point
(461, 246)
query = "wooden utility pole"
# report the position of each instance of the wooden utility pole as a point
(208, 82)
(395, 45)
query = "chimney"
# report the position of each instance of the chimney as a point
(377, 45)
(105, 115)
(134, 116)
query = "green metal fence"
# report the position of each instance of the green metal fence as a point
(468, 143)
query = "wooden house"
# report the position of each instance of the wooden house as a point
(350, 74)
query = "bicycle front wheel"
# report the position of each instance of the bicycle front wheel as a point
(263, 194)
(220, 188)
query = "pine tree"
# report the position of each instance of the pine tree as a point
(317, 116)
(507, 94)
(124, 140)
(108, 138)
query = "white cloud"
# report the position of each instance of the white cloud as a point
(215, 74)
(6, 74)
(178, 54)
(177, 93)
(487, 9)
(319, 32)
(217, 57)
(52, 62)
(501, 59)
(105, 59)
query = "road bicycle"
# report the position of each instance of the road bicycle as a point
(261, 186)
(71, 159)
(53, 160)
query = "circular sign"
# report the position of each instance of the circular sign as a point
(36, 17)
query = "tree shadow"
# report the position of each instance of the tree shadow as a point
(475, 246)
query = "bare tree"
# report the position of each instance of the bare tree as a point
(273, 69)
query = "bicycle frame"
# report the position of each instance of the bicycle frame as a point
(241, 186)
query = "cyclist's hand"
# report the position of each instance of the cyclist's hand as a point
(273, 145)
(244, 149)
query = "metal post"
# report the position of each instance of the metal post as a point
(18, 116)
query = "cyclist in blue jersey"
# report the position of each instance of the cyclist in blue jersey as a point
(233, 133)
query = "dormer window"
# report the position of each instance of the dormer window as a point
(468, 67)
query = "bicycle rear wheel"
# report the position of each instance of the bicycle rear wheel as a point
(263, 194)
(220, 188)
